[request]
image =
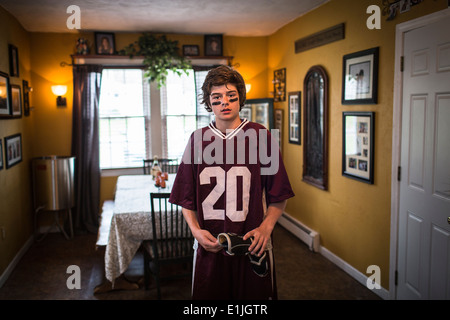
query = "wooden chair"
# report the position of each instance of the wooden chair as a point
(172, 241)
(147, 166)
(166, 165)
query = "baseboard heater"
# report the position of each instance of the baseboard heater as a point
(308, 236)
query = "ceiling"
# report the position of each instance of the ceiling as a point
(230, 17)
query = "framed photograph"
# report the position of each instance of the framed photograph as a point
(358, 145)
(278, 124)
(191, 50)
(1, 154)
(26, 97)
(213, 45)
(360, 77)
(295, 117)
(104, 43)
(13, 150)
(261, 111)
(13, 61)
(279, 85)
(5, 96)
(16, 101)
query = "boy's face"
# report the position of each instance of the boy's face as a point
(224, 102)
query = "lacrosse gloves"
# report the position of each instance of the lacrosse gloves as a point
(235, 245)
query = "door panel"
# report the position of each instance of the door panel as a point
(424, 203)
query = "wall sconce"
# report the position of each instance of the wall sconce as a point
(59, 91)
(279, 85)
(248, 87)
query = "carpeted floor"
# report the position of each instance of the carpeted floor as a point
(42, 274)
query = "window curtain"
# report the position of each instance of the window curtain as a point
(85, 146)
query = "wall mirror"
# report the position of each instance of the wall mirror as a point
(315, 149)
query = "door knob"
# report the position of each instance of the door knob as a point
(448, 220)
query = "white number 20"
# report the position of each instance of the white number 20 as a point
(226, 182)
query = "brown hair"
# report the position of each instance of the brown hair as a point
(220, 76)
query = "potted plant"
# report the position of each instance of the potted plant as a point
(160, 55)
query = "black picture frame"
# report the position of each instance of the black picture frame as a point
(261, 110)
(213, 45)
(1, 154)
(105, 43)
(191, 50)
(5, 96)
(13, 60)
(26, 97)
(360, 77)
(295, 115)
(16, 101)
(358, 129)
(278, 125)
(13, 150)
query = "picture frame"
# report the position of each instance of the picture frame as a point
(191, 50)
(278, 124)
(5, 96)
(295, 135)
(358, 145)
(213, 45)
(105, 43)
(1, 154)
(26, 97)
(261, 111)
(360, 77)
(16, 101)
(13, 60)
(13, 150)
(279, 85)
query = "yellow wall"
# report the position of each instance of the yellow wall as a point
(15, 186)
(352, 218)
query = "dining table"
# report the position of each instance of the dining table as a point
(130, 225)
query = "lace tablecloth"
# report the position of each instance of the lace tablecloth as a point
(131, 221)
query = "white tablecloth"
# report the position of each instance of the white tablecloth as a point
(131, 221)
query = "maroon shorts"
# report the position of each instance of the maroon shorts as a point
(219, 276)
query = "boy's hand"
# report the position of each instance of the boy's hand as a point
(207, 241)
(260, 236)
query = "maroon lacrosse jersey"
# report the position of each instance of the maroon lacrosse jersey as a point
(229, 179)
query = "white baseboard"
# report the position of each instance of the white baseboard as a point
(5, 275)
(345, 266)
(355, 274)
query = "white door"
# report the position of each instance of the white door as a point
(424, 205)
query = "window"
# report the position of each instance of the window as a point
(178, 113)
(181, 111)
(123, 116)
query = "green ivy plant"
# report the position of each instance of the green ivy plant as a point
(160, 56)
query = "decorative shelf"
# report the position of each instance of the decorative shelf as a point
(120, 60)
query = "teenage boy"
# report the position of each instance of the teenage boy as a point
(227, 184)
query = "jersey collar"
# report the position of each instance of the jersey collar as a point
(230, 134)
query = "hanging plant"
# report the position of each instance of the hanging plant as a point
(160, 56)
